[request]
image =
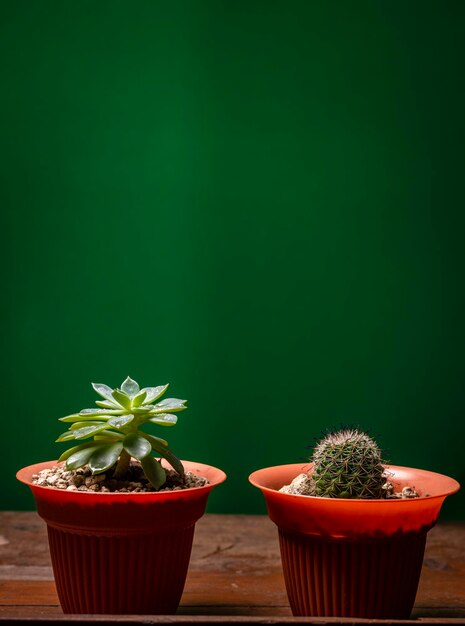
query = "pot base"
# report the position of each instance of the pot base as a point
(102, 574)
(352, 578)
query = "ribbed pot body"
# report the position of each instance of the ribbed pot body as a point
(121, 553)
(134, 573)
(371, 579)
(353, 558)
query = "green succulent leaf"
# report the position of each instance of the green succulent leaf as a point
(78, 417)
(157, 440)
(102, 412)
(138, 400)
(164, 419)
(81, 457)
(88, 431)
(82, 446)
(156, 475)
(67, 436)
(109, 435)
(143, 413)
(107, 405)
(137, 446)
(120, 421)
(73, 417)
(122, 398)
(105, 457)
(161, 447)
(173, 461)
(105, 391)
(170, 404)
(78, 425)
(130, 387)
(153, 393)
(140, 410)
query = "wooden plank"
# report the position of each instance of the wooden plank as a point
(442, 582)
(28, 593)
(215, 598)
(235, 574)
(179, 620)
(214, 590)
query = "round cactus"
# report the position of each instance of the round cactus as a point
(348, 464)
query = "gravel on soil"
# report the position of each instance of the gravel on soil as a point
(82, 479)
(303, 485)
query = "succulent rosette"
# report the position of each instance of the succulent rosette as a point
(115, 429)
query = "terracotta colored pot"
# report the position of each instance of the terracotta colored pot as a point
(121, 552)
(353, 558)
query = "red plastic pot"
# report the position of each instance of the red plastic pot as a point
(353, 558)
(124, 553)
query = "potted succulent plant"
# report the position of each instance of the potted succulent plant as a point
(120, 521)
(352, 530)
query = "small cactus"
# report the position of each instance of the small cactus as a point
(348, 464)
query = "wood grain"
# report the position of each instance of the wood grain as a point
(234, 577)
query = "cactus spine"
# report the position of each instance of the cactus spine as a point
(348, 464)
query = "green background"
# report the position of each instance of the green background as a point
(259, 202)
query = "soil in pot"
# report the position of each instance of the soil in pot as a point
(134, 481)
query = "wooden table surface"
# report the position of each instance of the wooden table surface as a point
(234, 577)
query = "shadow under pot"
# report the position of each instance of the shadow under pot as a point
(353, 558)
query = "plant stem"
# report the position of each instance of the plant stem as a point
(123, 464)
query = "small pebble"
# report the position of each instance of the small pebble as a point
(301, 485)
(409, 492)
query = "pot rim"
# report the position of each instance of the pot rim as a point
(454, 486)
(24, 475)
